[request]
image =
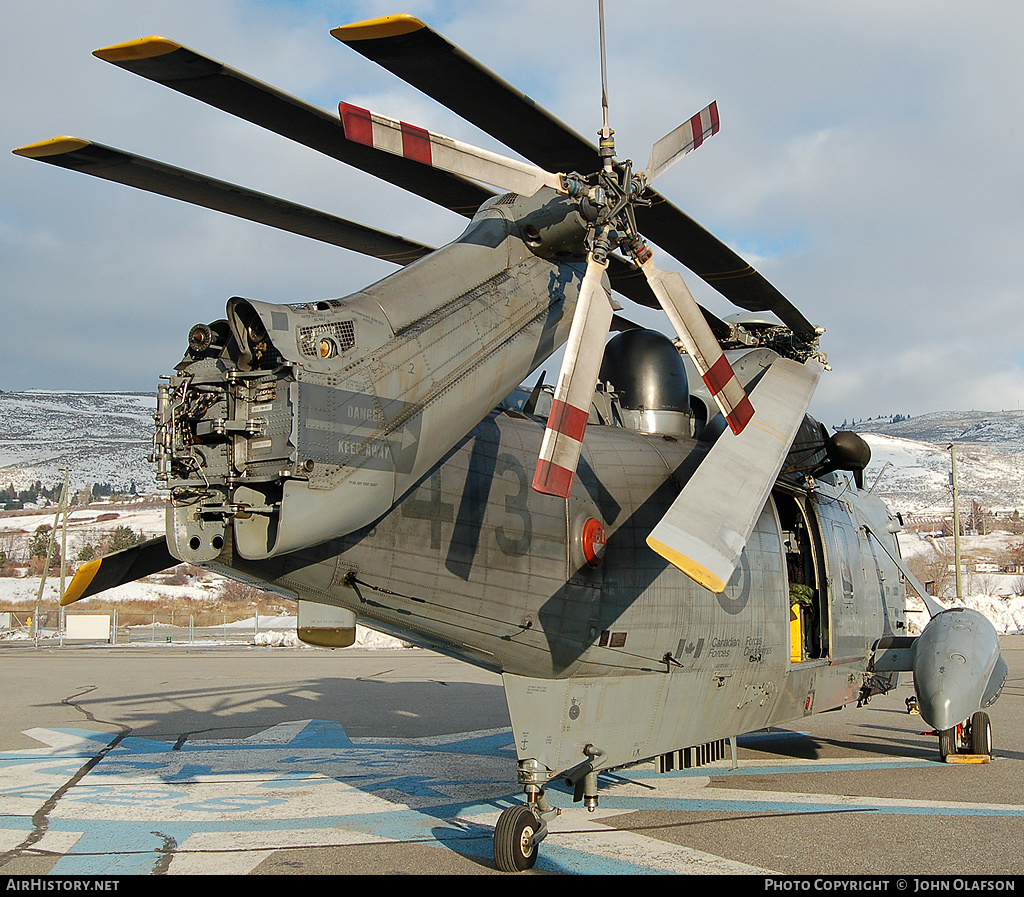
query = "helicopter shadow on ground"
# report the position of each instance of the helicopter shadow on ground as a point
(363, 707)
(879, 742)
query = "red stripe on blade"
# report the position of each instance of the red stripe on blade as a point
(714, 117)
(718, 375)
(416, 144)
(698, 130)
(550, 479)
(568, 420)
(740, 415)
(357, 123)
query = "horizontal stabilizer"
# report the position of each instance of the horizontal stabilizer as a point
(119, 568)
(706, 528)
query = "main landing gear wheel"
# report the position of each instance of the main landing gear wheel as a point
(971, 737)
(947, 742)
(514, 847)
(981, 734)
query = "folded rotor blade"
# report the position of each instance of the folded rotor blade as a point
(156, 177)
(119, 568)
(705, 530)
(577, 380)
(684, 139)
(418, 55)
(195, 75)
(700, 343)
(454, 156)
(630, 281)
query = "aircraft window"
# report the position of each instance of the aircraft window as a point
(341, 334)
(845, 569)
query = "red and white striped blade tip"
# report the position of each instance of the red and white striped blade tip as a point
(560, 451)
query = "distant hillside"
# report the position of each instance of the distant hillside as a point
(996, 429)
(102, 437)
(105, 438)
(990, 460)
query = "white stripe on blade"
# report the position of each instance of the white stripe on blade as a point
(705, 530)
(574, 392)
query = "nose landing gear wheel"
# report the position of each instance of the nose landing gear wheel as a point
(514, 849)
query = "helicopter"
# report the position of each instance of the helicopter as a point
(662, 551)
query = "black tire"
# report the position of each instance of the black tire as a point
(981, 734)
(513, 851)
(947, 742)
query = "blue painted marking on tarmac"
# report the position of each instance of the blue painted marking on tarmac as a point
(322, 734)
(147, 775)
(773, 805)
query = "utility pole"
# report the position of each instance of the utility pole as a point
(49, 552)
(956, 523)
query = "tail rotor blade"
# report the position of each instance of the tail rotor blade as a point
(684, 139)
(563, 438)
(453, 156)
(124, 566)
(692, 328)
(705, 530)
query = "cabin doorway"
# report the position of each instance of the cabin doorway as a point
(801, 544)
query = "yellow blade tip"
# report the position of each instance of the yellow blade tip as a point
(83, 578)
(700, 575)
(55, 146)
(385, 26)
(141, 48)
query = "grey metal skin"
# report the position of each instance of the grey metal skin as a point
(348, 453)
(958, 668)
(377, 478)
(629, 657)
(289, 446)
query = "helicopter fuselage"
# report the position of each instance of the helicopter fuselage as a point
(346, 453)
(598, 639)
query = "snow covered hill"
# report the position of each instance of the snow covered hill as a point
(911, 463)
(101, 437)
(105, 438)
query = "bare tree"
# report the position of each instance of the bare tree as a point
(934, 565)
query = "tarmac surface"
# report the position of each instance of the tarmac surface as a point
(130, 760)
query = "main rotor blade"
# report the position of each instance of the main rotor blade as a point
(157, 177)
(195, 75)
(418, 55)
(705, 530)
(700, 343)
(119, 568)
(683, 140)
(445, 153)
(630, 281)
(574, 391)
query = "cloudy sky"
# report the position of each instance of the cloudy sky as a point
(868, 164)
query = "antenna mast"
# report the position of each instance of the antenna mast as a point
(607, 144)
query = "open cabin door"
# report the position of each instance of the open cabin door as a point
(808, 584)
